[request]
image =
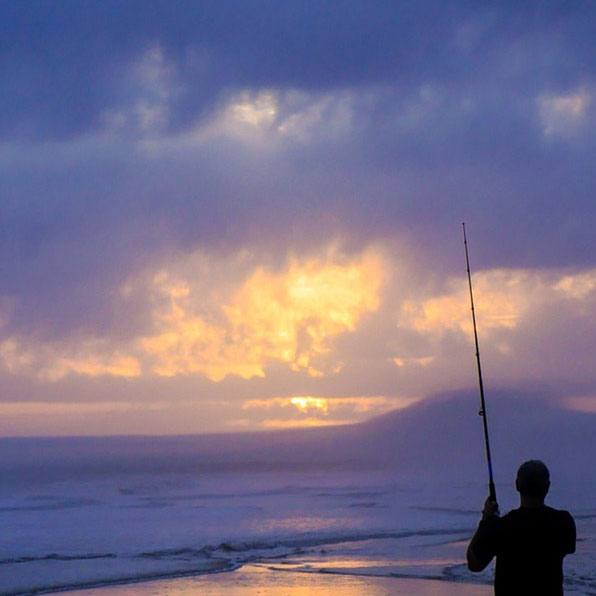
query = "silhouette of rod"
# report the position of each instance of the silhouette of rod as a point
(491, 484)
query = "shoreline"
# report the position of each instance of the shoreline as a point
(253, 579)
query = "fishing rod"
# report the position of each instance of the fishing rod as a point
(491, 483)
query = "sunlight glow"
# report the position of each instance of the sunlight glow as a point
(13, 357)
(298, 411)
(290, 316)
(259, 111)
(578, 286)
(239, 315)
(561, 114)
(54, 361)
(502, 295)
(302, 422)
(267, 118)
(37, 408)
(424, 361)
(304, 404)
(115, 365)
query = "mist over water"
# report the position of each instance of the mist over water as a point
(396, 496)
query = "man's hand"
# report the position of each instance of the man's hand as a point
(490, 508)
(481, 549)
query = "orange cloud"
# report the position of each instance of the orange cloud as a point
(93, 365)
(306, 410)
(304, 404)
(291, 316)
(503, 295)
(221, 317)
(53, 361)
(235, 315)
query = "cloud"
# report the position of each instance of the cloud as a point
(582, 403)
(505, 296)
(89, 357)
(564, 115)
(168, 176)
(531, 325)
(306, 410)
(203, 51)
(289, 316)
(341, 319)
(207, 323)
(172, 127)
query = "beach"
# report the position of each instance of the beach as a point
(253, 580)
(244, 530)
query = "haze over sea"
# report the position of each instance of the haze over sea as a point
(398, 496)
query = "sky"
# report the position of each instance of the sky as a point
(228, 216)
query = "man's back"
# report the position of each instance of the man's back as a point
(530, 543)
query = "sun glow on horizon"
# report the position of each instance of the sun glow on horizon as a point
(306, 410)
(304, 404)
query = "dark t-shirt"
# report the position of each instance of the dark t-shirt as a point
(529, 544)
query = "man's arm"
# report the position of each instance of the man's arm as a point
(481, 549)
(569, 545)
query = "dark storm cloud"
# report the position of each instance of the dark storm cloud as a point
(64, 63)
(446, 126)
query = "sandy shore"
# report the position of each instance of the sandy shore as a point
(253, 580)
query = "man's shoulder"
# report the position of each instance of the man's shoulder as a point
(560, 514)
(545, 512)
(543, 508)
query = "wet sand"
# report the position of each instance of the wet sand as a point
(256, 580)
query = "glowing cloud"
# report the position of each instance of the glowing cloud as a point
(504, 295)
(578, 286)
(291, 316)
(561, 114)
(284, 412)
(304, 404)
(242, 315)
(53, 361)
(248, 117)
(230, 323)
(259, 111)
(269, 119)
(116, 364)
(509, 304)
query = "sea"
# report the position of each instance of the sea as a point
(73, 517)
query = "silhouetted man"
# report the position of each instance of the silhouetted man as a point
(529, 542)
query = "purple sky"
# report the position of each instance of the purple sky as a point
(243, 215)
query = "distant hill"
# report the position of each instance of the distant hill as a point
(444, 434)
(438, 437)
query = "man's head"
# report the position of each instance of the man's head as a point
(533, 479)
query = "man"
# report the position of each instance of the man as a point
(529, 542)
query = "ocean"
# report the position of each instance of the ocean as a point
(87, 512)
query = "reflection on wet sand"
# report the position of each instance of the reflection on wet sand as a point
(255, 580)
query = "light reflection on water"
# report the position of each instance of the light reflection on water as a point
(257, 581)
(302, 523)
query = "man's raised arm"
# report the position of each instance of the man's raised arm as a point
(481, 549)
